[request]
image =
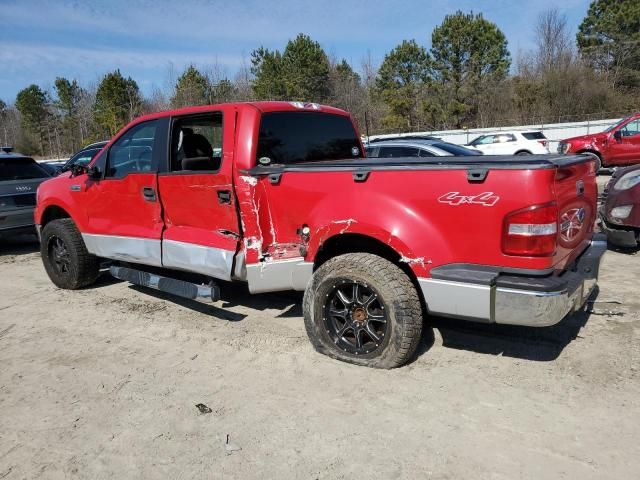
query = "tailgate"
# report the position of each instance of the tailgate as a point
(576, 194)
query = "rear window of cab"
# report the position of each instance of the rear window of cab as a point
(20, 169)
(299, 137)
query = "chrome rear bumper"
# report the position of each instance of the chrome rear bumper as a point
(516, 300)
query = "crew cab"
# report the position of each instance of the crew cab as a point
(280, 195)
(618, 145)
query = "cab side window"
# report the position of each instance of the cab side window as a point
(196, 143)
(483, 140)
(133, 151)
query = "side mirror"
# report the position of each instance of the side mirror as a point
(76, 170)
(617, 135)
(93, 172)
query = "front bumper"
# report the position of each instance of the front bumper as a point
(483, 294)
(620, 236)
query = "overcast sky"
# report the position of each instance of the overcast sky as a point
(42, 39)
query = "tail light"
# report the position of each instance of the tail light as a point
(531, 232)
(544, 143)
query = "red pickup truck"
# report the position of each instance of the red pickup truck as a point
(279, 195)
(618, 145)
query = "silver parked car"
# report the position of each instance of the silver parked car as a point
(417, 148)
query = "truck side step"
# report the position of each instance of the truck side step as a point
(173, 286)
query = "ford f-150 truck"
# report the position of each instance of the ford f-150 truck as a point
(618, 145)
(280, 195)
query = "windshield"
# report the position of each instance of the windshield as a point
(616, 125)
(20, 169)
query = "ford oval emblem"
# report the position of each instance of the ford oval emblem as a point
(572, 223)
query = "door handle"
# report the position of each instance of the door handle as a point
(149, 194)
(224, 197)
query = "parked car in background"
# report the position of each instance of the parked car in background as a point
(85, 155)
(620, 211)
(81, 157)
(416, 148)
(407, 137)
(19, 180)
(512, 143)
(53, 168)
(618, 145)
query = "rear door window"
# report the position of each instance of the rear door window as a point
(505, 137)
(196, 143)
(398, 152)
(534, 136)
(426, 153)
(299, 137)
(20, 169)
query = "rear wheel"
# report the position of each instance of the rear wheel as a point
(523, 152)
(65, 256)
(363, 309)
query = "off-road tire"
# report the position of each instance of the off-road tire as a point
(83, 268)
(393, 286)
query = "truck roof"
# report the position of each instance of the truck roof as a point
(262, 106)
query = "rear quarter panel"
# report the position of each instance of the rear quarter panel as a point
(430, 217)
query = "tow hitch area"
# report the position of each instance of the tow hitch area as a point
(173, 286)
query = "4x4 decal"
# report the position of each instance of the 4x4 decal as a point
(486, 199)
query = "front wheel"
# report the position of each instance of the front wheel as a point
(65, 256)
(363, 309)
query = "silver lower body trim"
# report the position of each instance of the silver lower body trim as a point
(127, 249)
(273, 276)
(458, 299)
(210, 261)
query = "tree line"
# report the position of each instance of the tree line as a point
(466, 79)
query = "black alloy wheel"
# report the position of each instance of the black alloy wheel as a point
(59, 255)
(355, 317)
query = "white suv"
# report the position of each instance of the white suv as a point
(512, 143)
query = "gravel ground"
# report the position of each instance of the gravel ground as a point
(103, 383)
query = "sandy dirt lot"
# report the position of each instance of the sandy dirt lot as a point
(103, 383)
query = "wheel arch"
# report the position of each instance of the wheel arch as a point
(593, 152)
(523, 150)
(53, 212)
(351, 242)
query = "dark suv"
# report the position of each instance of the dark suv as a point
(19, 180)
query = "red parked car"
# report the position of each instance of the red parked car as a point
(618, 145)
(280, 196)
